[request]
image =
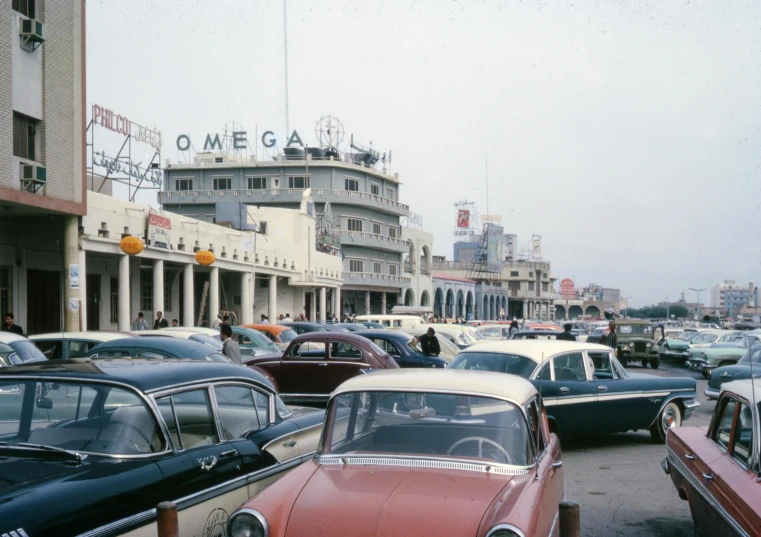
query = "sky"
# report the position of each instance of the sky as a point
(626, 134)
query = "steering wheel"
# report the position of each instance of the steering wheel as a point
(481, 441)
(130, 426)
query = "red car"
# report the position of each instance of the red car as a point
(416, 452)
(315, 363)
(717, 470)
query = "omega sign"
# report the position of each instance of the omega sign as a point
(239, 141)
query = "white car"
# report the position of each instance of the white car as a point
(17, 350)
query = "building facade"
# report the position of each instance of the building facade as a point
(42, 168)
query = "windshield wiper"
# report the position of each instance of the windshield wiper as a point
(25, 447)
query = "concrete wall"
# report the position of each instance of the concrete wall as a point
(7, 16)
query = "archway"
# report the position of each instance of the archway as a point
(594, 311)
(574, 312)
(438, 302)
(449, 305)
(559, 312)
(425, 260)
(460, 304)
(409, 298)
(469, 305)
(485, 311)
(425, 299)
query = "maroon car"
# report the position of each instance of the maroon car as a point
(314, 364)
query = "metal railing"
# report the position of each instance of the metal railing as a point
(506, 265)
(376, 276)
(377, 237)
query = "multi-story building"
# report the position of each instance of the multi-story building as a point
(467, 250)
(363, 203)
(42, 169)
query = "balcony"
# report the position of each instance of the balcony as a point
(371, 279)
(284, 195)
(371, 240)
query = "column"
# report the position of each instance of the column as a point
(71, 295)
(158, 288)
(188, 296)
(334, 302)
(272, 307)
(383, 303)
(302, 307)
(213, 308)
(313, 306)
(525, 309)
(367, 303)
(339, 309)
(124, 297)
(246, 300)
(83, 290)
(323, 304)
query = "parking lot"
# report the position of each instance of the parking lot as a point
(618, 481)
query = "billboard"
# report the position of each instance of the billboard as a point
(567, 288)
(158, 231)
(495, 247)
(463, 218)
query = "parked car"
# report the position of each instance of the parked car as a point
(403, 348)
(751, 360)
(418, 453)
(314, 364)
(190, 334)
(461, 335)
(371, 325)
(494, 331)
(17, 350)
(716, 355)
(156, 347)
(253, 342)
(66, 345)
(584, 387)
(99, 444)
(446, 342)
(391, 321)
(536, 334)
(638, 342)
(716, 471)
(305, 328)
(280, 334)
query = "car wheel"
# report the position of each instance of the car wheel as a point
(644, 362)
(655, 362)
(670, 416)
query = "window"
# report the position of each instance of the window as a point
(356, 265)
(262, 227)
(530, 286)
(79, 348)
(393, 269)
(189, 418)
(257, 183)
(724, 429)
(310, 350)
(50, 348)
(498, 363)
(393, 232)
(222, 183)
(530, 274)
(354, 224)
(569, 367)
(742, 451)
(25, 7)
(237, 410)
(514, 274)
(545, 286)
(299, 181)
(375, 189)
(146, 292)
(377, 267)
(603, 367)
(387, 346)
(391, 193)
(376, 228)
(514, 286)
(343, 351)
(535, 427)
(183, 184)
(24, 136)
(351, 184)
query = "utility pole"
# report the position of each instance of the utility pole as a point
(697, 302)
(285, 52)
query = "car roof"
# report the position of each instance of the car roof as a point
(742, 388)
(271, 328)
(618, 322)
(193, 329)
(351, 337)
(536, 349)
(145, 375)
(172, 344)
(384, 334)
(449, 380)
(10, 337)
(163, 332)
(92, 335)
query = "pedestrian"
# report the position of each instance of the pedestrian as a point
(175, 322)
(429, 344)
(225, 320)
(335, 319)
(513, 329)
(160, 321)
(139, 323)
(280, 318)
(11, 326)
(611, 340)
(216, 322)
(566, 334)
(264, 319)
(502, 314)
(230, 347)
(287, 319)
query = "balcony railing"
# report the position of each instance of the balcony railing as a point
(396, 244)
(409, 265)
(376, 276)
(506, 265)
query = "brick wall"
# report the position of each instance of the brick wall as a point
(6, 95)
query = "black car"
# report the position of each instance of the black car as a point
(751, 360)
(303, 327)
(156, 347)
(93, 446)
(402, 348)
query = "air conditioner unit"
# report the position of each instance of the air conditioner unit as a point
(30, 31)
(33, 177)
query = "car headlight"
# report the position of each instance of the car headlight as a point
(505, 530)
(648, 345)
(247, 523)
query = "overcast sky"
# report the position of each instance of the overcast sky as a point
(627, 134)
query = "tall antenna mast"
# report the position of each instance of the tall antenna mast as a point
(486, 158)
(285, 51)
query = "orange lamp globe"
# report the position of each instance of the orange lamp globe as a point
(205, 257)
(131, 245)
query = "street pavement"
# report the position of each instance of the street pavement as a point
(618, 480)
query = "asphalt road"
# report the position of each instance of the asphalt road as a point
(618, 481)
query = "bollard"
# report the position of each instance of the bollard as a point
(570, 522)
(166, 520)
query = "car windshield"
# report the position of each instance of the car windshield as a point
(287, 335)
(452, 425)
(493, 361)
(257, 340)
(208, 341)
(77, 416)
(21, 351)
(635, 329)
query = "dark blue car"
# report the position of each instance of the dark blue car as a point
(91, 447)
(156, 347)
(304, 328)
(402, 348)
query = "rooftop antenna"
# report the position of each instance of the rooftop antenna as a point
(285, 52)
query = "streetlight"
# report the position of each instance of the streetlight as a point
(697, 302)
(626, 309)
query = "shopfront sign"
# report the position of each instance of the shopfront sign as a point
(158, 231)
(238, 141)
(135, 170)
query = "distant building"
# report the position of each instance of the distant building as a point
(731, 297)
(466, 250)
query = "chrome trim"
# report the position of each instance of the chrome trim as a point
(424, 462)
(711, 394)
(304, 395)
(256, 514)
(677, 464)
(292, 433)
(671, 400)
(202, 382)
(508, 527)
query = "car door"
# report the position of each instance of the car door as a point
(304, 370)
(620, 405)
(346, 361)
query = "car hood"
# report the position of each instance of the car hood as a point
(677, 344)
(731, 372)
(374, 501)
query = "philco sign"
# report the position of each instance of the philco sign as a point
(122, 125)
(239, 141)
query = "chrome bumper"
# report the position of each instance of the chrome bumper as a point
(675, 354)
(712, 394)
(689, 407)
(699, 365)
(665, 465)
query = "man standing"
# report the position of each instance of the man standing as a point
(139, 323)
(264, 319)
(11, 326)
(612, 340)
(429, 343)
(287, 319)
(175, 322)
(230, 347)
(216, 322)
(566, 335)
(160, 321)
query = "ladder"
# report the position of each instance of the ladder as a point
(201, 310)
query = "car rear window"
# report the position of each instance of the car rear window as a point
(497, 362)
(287, 335)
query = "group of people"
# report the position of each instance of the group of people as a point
(160, 322)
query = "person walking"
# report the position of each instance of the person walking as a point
(230, 347)
(429, 344)
(160, 321)
(216, 322)
(513, 329)
(139, 323)
(566, 334)
(611, 340)
(10, 325)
